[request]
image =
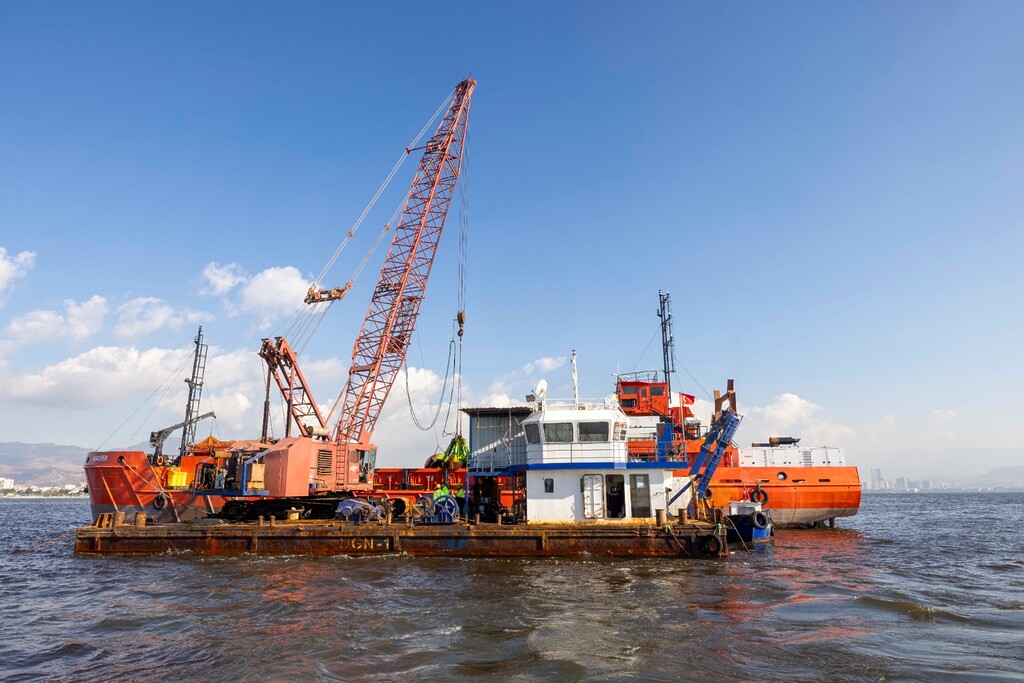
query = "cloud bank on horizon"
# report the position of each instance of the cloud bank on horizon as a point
(96, 385)
(99, 381)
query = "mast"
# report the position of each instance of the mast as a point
(195, 392)
(575, 383)
(668, 341)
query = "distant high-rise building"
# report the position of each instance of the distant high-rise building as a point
(876, 479)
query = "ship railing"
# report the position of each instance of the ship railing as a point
(578, 452)
(604, 403)
(641, 376)
(673, 458)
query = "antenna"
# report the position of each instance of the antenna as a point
(575, 383)
(195, 392)
(542, 389)
(668, 341)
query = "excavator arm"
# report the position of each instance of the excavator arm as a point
(157, 438)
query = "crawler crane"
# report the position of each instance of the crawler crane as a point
(340, 462)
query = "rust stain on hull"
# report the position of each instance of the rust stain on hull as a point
(456, 540)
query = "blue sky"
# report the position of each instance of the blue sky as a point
(831, 193)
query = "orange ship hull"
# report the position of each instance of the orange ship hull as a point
(808, 495)
(126, 481)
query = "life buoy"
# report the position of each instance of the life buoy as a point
(759, 495)
(159, 461)
(713, 545)
(160, 501)
(759, 520)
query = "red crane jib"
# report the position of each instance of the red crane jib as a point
(381, 346)
(348, 463)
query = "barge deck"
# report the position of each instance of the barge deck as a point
(111, 536)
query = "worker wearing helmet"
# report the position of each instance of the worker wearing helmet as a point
(437, 492)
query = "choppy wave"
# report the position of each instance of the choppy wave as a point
(894, 594)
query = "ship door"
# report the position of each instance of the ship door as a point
(593, 496)
(640, 495)
(616, 498)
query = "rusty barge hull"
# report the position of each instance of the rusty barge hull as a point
(687, 540)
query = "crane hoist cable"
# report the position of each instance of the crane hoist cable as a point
(444, 387)
(165, 386)
(383, 186)
(300, 320)
(463, 250)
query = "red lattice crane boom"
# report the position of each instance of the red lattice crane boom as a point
(382, 343)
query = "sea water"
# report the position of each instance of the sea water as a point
(925, 587)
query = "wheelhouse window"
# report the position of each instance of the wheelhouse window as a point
(628, 403)
(594, 431)
(558, 432)
(657, 390)
(629, 391)
(532, 432)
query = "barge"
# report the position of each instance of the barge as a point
(581, 496)
(685, 539)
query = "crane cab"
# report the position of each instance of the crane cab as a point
(300, 466)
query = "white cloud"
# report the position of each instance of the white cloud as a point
(103, 374)
(790, 415)
(943, 414)
(13, 267)
(34, 326)
(274, 291)
(542, 365)
(85, 319)
(221, 279)
(500, 399)
(786, 410)
(827, 433)
(80, 320)
(143, 315)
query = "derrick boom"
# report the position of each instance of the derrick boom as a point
(381, 346)
(283, 366)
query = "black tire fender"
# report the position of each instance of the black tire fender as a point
(160, 501)
(759, 495)
(759, 520)
(712, 544)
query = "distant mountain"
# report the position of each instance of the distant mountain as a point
(42, 464)
(1012, 476)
